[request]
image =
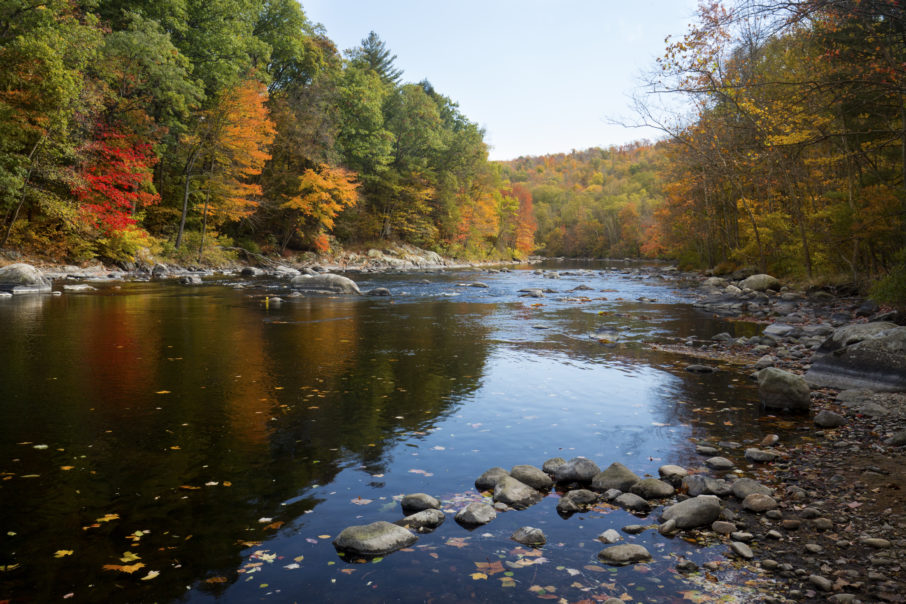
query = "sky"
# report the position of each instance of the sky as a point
(539, 76)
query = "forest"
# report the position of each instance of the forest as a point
(184, 129)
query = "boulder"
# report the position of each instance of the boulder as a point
(760, 455)
(756, 502)
(719, 463)
(621, 555)
(532, 476)
(652, 488)
(610, 536)
(325, 284)
(23, 278)
(424, 521)
(862, 355)
(576, 501)
(475, 514)
(378, 291)
(490, 478)
(693, 512)
(515, 494)
(780, 389)
(529, 535)
(416, 502)
(550, 466)
(760, 283)
(829, 419)
(633, 503)
(744, 487)
(616, 476)
(375, 539)
(672, 474)
(578, 469)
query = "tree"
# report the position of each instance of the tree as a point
(373, 54)
(320, 196)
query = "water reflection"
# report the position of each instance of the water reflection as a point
(217, 440)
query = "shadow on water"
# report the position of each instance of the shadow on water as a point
(167, 443)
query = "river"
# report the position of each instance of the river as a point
(160, 442)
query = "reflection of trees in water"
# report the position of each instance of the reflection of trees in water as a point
(269, 403)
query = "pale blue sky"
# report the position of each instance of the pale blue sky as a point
(539, 76)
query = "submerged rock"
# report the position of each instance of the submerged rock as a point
(576, 501)
(325, 283)
(375, 539)
(416, 502)
(652, 488)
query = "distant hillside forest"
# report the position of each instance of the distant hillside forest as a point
(184, 128)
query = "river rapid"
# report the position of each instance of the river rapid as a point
(162, 442)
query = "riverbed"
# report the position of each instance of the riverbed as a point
(162, 442)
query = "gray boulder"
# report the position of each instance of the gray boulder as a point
(550, 466)
(744, 487)
(621, 555)
(578, 469)
(21, 278)
(862, 355)
(616, 476)
(672, 474)
(515, 494)
(424, 521)
(829, 419)
(780, 389)
(325, 284)
(760, 455)
(576, 501)
(633, 503)
(529, 535)
(756, 502)
(379, 291)
(532, 476)
(475, 514)
(697, 484)
(490, 478)
(375, 539)
(760, 283)
(416, 502)
(652, 488)
(693, 512)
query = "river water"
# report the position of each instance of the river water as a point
(168, 443)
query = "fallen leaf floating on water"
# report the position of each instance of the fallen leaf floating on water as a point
(128, 569)
(478, 576)
(274, 525)
(162, 392)
(108, 517)
(361, 501)
(422, 472)
(151, 574)
(40, 447)
(60, 553)
(323, 536)
(459, 542)
(66, 468)
(129, 557)
(216, 580)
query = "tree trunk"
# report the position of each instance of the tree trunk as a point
(190, 163)
(31, 168)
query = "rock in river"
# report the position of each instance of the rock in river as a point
(327, 283)
(862, 355)
(424, 521)
(780, 389)
(375, 539)
(530, 536)
(621, 555)
(515, 494)
(652, 488)
(697, 511)
(532, 476)
(577, 500)
(633, 503)
(578, 469)
(416, 502)
(475, 514)
(23, 278)
(490, 478)
(616, 476)
(759, 283)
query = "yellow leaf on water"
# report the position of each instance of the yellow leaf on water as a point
(151, 574)
(323, 536)
(216, 580)
(129, 557)
(227, 483)
(108, 517)
(62, 552)
(129, 569)
(477, 576)
(65, 468)
(162, 392)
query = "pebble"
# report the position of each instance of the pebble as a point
(774, 534)
(610, 536)
(756, 502)
(742, 550)
(706, 450)
(719, 463)
(742, 536)
(813, 548)
(634, 529)
(822, 583)
(823, 524)
(769, 564)
(875, 542)
(722, 527)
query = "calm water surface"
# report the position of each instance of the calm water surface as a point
(169, 443)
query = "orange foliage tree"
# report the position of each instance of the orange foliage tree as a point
(321, 195)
